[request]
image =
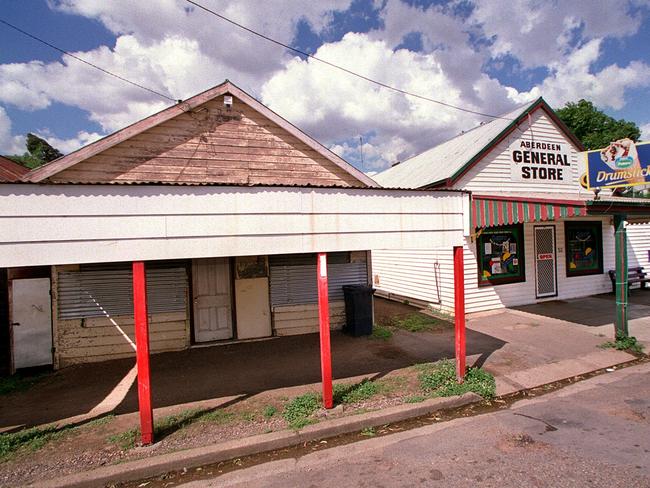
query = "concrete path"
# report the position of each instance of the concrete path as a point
(594, 433)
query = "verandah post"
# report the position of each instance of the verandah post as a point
(324, 324)
(142, 350)
(620, 246)
(459, 312)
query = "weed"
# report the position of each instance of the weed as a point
(418, 322)
(218, 416)
(369, 432)
(100, 421)
(298, 410)
(380, 332)
(414, 399)
(624, 343)
(439, 379)
(355, 393)
(31, 439)
(126, 440)
(269, 411)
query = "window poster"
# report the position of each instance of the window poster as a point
(499, 258)
(583, 248)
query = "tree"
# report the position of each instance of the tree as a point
(595, 128)
(38, 152)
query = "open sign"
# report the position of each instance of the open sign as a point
(545, 256)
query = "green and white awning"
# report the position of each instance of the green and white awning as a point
(492, 211)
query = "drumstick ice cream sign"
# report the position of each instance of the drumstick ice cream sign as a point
(623, 163)
(540, 161)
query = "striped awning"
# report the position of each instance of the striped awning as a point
(492, 211)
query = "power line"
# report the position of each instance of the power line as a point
(86, 62)
(341, 68)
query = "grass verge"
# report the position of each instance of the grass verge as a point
(380, 332)
(439, 379)
(355, 393)
(418, 322)
(29, 439)
(298, 411)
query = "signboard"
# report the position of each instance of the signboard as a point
(621, 164)
(533, 160)
(547, 256)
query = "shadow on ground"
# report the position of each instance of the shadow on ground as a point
(234, 369)
(592, 311)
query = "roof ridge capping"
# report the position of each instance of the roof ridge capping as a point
(56, 166)
(417, 171)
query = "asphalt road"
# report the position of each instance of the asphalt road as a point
(595, 433)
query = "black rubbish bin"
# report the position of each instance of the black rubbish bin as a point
(358, 309)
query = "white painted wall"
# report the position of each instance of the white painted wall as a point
(427, 275)
(638, 246)
(69, 224)
(493, 173)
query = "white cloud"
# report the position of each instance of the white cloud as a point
(645, 132)
(572, 79)
(68, 145)
(9, 144)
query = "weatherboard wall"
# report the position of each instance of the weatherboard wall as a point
(638, 246)
(427, 275)
(493, 173)
(212, 143)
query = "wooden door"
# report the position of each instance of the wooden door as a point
(212, 299)
(31, 318)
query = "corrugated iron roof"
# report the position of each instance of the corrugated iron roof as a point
(11, 171)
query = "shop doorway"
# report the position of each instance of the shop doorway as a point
(545, 262)
(212, 299)
(31, 322)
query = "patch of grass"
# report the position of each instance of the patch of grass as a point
(269, 411)
(298, 410)
(381, 333)
(100, 421)
(624, 343)
(439, 379)
(368, 432)
(414, 399)
(218, 416)
(355, 393)
(30, 439)
(418, 322)
(126, 440)
(18, 382)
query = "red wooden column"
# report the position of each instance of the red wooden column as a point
(142, 350)
(459, 312)
(324, 322)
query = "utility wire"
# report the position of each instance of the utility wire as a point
(341, 68)
(86, 62)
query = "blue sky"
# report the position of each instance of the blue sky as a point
(487, 56)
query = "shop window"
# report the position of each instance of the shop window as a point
(501, 255)
(584, 248)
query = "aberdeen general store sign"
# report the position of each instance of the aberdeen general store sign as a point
(538, 160)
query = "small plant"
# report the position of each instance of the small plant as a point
(368, 432)
(218, 416)
(355, 393)
(269, 411)
(439, 379)
(18, 382)
(126, 440)
(382, 333)
(624, 343)
(298, 410)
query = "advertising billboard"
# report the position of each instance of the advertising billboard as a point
(621, 164)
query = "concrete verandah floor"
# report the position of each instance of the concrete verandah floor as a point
(520, 348)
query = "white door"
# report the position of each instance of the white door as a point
(31, 318)
(212, 301)
(545, 262)
(253, 308)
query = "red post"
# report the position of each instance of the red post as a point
(459, 312)
(142, 350)
(324, 322)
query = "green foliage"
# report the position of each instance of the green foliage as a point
(39, 152)
(31, 439)
(126, 440)
(624, 343)
(298, 410)
(414, 399)
(380, 332)
(269, 411)
(593, 127)
(418, 322)
(368, 432)
(439, 379)
(355, 393)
